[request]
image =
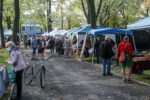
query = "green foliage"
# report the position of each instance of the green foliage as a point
(8, 11)
(113, 13)
(4, 55)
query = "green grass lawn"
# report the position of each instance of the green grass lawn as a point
(4, 55)
(140, 77)
(89, 59)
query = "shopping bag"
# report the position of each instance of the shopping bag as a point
(122, 56)
(11, 75)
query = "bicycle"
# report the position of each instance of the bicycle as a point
(30, 73)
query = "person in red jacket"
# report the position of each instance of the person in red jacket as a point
(126, 46)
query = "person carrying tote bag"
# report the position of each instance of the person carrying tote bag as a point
(125, 54)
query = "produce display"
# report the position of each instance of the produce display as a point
(146, 57)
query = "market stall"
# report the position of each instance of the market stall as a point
(141, 64)
(97, 32)
(80, 35)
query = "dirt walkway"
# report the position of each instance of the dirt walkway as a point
(68, 79)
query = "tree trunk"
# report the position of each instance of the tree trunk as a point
(1, 24)
(92, 13)
(147, 12)
(49, 20)
(8, 21)
(16, 21)
(62, 18)
(89, 11)
(69, 22)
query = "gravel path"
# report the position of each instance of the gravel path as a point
(69, 79)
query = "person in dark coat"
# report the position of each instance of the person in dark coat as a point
(51, 45)
(106, 53)
(59, 46)
(96, 49)
(29, 42)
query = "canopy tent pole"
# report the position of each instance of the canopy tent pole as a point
(120, 38)
(77, 46)
(93, 51)
(83, 47)
(134, 43)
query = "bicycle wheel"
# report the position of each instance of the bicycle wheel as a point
(13, 92)
(28, 74)
(42, 77)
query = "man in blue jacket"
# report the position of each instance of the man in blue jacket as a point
(34, 46)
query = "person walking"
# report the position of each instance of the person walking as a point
(67, 46)
(29, 42)
(56, 40)
(59, 46)
(51, 45)
(106, 53)
(96, 49)
(34, 46)
(41, 47)
(125, 47)
(18, 65)
(25, 41)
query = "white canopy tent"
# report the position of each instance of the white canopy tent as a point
(60, 33)
(52, 32)
(140, 25)
(45, 34)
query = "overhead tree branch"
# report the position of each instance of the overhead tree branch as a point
(83, 7)
(99, 8)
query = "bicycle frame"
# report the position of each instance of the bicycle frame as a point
(35, 71)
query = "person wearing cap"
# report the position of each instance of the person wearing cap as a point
(17, 63)
(106, 53)
(126, 46)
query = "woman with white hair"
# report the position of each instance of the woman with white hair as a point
(17, 63)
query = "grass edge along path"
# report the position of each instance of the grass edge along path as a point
(141, 78)
(4, 55)
(144, 78)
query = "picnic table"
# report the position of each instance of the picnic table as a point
(4, 80)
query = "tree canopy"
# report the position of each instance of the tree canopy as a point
(66, 14)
